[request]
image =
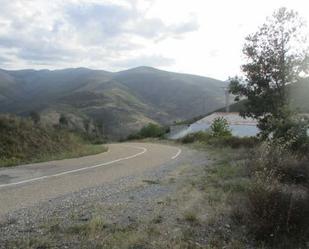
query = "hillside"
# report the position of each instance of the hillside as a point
(123, 102)
(299, 102)
(22, 141)
(299, 98)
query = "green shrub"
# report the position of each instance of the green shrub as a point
(291, 134)
(196, 137)
(220, 128)
(235, 142)
(149, 131)
(218, 134)
(152, 130)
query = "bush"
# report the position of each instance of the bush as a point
(277, 203)
(235, 142)
(291, 133)
(152, 130)
(220, 128)
(276, 211)
(196, 137)
(149, 131)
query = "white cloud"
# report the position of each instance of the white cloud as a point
(197, 36)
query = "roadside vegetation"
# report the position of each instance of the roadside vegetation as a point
(272, 207)
(253, 193)
(149, 131)
(219, 135)
(26, 140)
(261, 190)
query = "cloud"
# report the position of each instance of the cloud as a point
(144, 60)
(4, 60)
(72, 32)
(106, 20)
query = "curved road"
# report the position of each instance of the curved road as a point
(26, 185)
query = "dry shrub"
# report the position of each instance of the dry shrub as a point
(196, 137)
(221, 141)
(277, 202)
(276, 210)
(236, 142)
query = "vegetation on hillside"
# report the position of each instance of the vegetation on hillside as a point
(124, 101)
(24, 140)
(149, 131)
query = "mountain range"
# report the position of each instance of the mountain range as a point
(298, 98)
(122, 101)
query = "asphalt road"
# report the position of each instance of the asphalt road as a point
(26, 185)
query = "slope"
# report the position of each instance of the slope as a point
(122, 101)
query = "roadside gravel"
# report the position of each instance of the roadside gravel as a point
(124, 201)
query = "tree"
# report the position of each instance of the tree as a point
(35, 116)
(277, 56)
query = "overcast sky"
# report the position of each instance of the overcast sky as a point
(202, 37)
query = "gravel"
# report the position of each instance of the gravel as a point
(129, 199)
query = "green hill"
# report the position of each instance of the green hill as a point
(22, 141)
(299, 95)
(123, 102)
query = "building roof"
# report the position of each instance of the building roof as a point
(233, 118)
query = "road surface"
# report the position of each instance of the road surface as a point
(26, 185)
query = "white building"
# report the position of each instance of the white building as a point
(241, 127)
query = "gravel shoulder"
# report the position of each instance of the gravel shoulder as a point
(124, 200)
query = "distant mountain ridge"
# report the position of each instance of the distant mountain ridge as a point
(298, 94)
(123, 101)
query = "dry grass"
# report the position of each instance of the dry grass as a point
(275, 208)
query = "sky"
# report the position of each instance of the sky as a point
(203, 37)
